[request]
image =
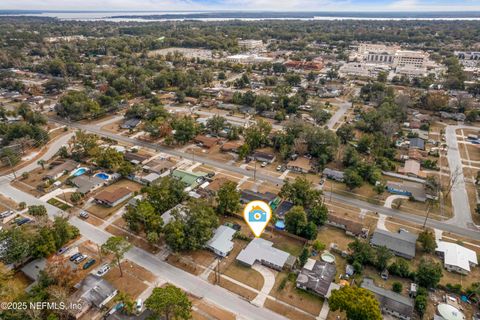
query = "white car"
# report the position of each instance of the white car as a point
(80, 258)
(139, 305)
(103, 270)
(264, 164)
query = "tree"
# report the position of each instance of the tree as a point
(318, 214)
(117, 246)
(345, 133)
(296, 220)
(37, 210)
(41, 163)
(216, 124)
(302, 259)
(400, 267)
(428, 273)
(185, 129)
(128, 302)
(382, 256)
(397, 287)
(192, 228)
(352, 179)
(76, 197)
(169, 302)
(228, 198)
(301, 192)
(427, 240)
(357, 303)
(361, 251)
(421, 301)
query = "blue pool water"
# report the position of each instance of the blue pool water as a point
(280, 225)
(103, 176)
(79, 172)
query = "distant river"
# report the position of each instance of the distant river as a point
(122, 16)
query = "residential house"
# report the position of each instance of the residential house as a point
(391, 303)
(213, 187)
(190, 179)
(301, 164)
(351, 227)
(159, 166)
(247, 196)
(402, 243)
(169, 215)
(150, 178)
(86, 184)
(58, 169)
(221, 243)
(131, 123)
(92, 291)
(416, 154)
(408, 188)
(317, 276)
(262, 251)
(417, 143)
(263, 157)
(32, 270)
(412, 168)
(333, 174)
(135, 157)
(456, 258)
(231, 146)
(114, 197)
(205, 141)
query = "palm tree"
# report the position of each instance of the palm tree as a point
(41, 162)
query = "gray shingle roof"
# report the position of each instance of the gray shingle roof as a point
(401, 243)
(389, 299)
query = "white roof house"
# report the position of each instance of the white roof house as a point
(456, 258)
(221, 243)
(261, 250)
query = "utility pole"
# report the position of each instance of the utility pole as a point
(426, 217)
(255, 170)
(11, 167)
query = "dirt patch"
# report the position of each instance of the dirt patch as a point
(245, 293)
(288, 312)
(133, 279)
(134, 239)
(329, 234)
(184, 264)
(290, 294)
(7, 203)
(205, 310)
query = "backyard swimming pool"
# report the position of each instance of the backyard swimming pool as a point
(103, 176)
(79, 172)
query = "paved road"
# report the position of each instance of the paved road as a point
(457, 229)
(462, 215)
(199, 287)
(342, 108)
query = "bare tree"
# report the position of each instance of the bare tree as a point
(454, 180)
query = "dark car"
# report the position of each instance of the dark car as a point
(62, 250)
(23, 221)
(88, 264)
(75, 256)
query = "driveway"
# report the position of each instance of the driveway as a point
(268, 283)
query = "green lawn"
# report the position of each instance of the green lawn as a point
(58, 204)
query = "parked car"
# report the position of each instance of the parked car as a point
(75, 256)
(5, 214)
(279, 167)
(63, 250)
(88, 264)
(84, 215)
(80, 258)
(103, 270)
(139, 305)
(23, 221)
(264, 164)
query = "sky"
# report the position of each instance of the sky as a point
(266, 5)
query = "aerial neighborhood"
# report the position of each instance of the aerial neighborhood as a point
(130, 149)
